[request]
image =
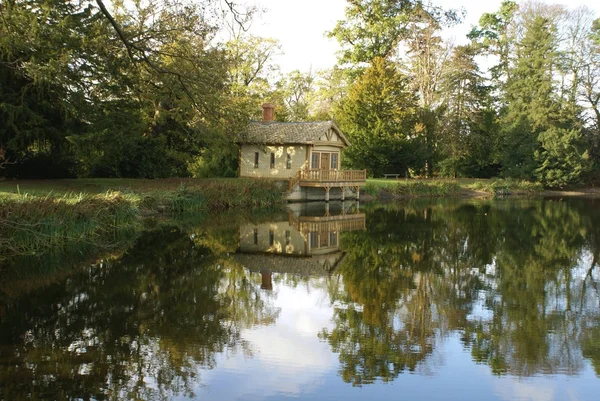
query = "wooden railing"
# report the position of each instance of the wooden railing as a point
(351, 223)
(332, 175)
(343, 222)
(294, 180)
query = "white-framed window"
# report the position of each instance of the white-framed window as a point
(315, 160)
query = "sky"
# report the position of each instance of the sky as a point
(300, 26)
(288, 361)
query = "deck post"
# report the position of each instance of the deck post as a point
(343, 188)
(357, 193)
(327, 194)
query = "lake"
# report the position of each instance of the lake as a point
(430, 300)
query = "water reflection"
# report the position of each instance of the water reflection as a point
(518, 281)
(321, 293)
(306, 242)
(137, 328)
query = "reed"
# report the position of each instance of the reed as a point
(31, 224)
(504, 187)
(413, 189)
(48, 220)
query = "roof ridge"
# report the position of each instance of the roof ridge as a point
(282, 132)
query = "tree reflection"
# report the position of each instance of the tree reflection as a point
(138, 328)
(517, 282)
(506, 276)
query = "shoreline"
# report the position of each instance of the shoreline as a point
(36, 221)
(473, 194)
(38, 216)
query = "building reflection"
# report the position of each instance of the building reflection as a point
(306, 243)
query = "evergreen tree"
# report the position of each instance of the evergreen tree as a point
(379, 118)
(541, 139)
(468, 121)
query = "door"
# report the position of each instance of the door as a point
(325, 166)
(325, 161)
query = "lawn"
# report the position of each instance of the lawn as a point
(463, 182)
(446, 187)
(93, 186)
(39, 215)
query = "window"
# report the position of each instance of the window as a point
(255, 159)
(315, 160)
(272, 160)
(288, 161)
(334, 160)
(314, 240)
(271, 237)
(288, 237)
(333, 238)
(255, 236)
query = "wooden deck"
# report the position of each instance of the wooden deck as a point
(329, 178)
(339, 223)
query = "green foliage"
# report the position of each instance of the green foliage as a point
(468, 118)
(378, 118)
(134, 94)
(413, 188)
(371, 29)
(424, 269)
(507, 187)
(494, 36)
(539, 140)
(563, 159)
(33, 225)
(47, 218)
(374, 29)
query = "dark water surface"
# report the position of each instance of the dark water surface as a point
(475, 300)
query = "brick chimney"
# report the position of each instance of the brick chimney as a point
(268, 112)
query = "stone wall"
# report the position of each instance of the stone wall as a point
(264, 170)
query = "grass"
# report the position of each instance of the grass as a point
(37, 216)
(507, 187)
(34, 224)
(168, 195)
(434, 188)
(412, 188)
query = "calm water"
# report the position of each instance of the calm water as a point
(478, 300)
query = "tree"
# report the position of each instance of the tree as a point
(590, 88)
(136, 90)
(531, 108)
(371, 29)
(495, 35)
(295, 91)
(375, 28)
(426, 59)
(466, 134)
(379, 117)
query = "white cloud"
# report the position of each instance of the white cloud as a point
(287, 358)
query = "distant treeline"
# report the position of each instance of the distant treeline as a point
(146, 89)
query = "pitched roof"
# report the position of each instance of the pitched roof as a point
(300, 266)
(281, 133)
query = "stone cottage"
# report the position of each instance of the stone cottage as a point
(307, 155)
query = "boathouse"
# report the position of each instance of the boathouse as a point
(307, 155)
(306, 243)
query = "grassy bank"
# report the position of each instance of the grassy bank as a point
(401, 189)
(36, 216)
